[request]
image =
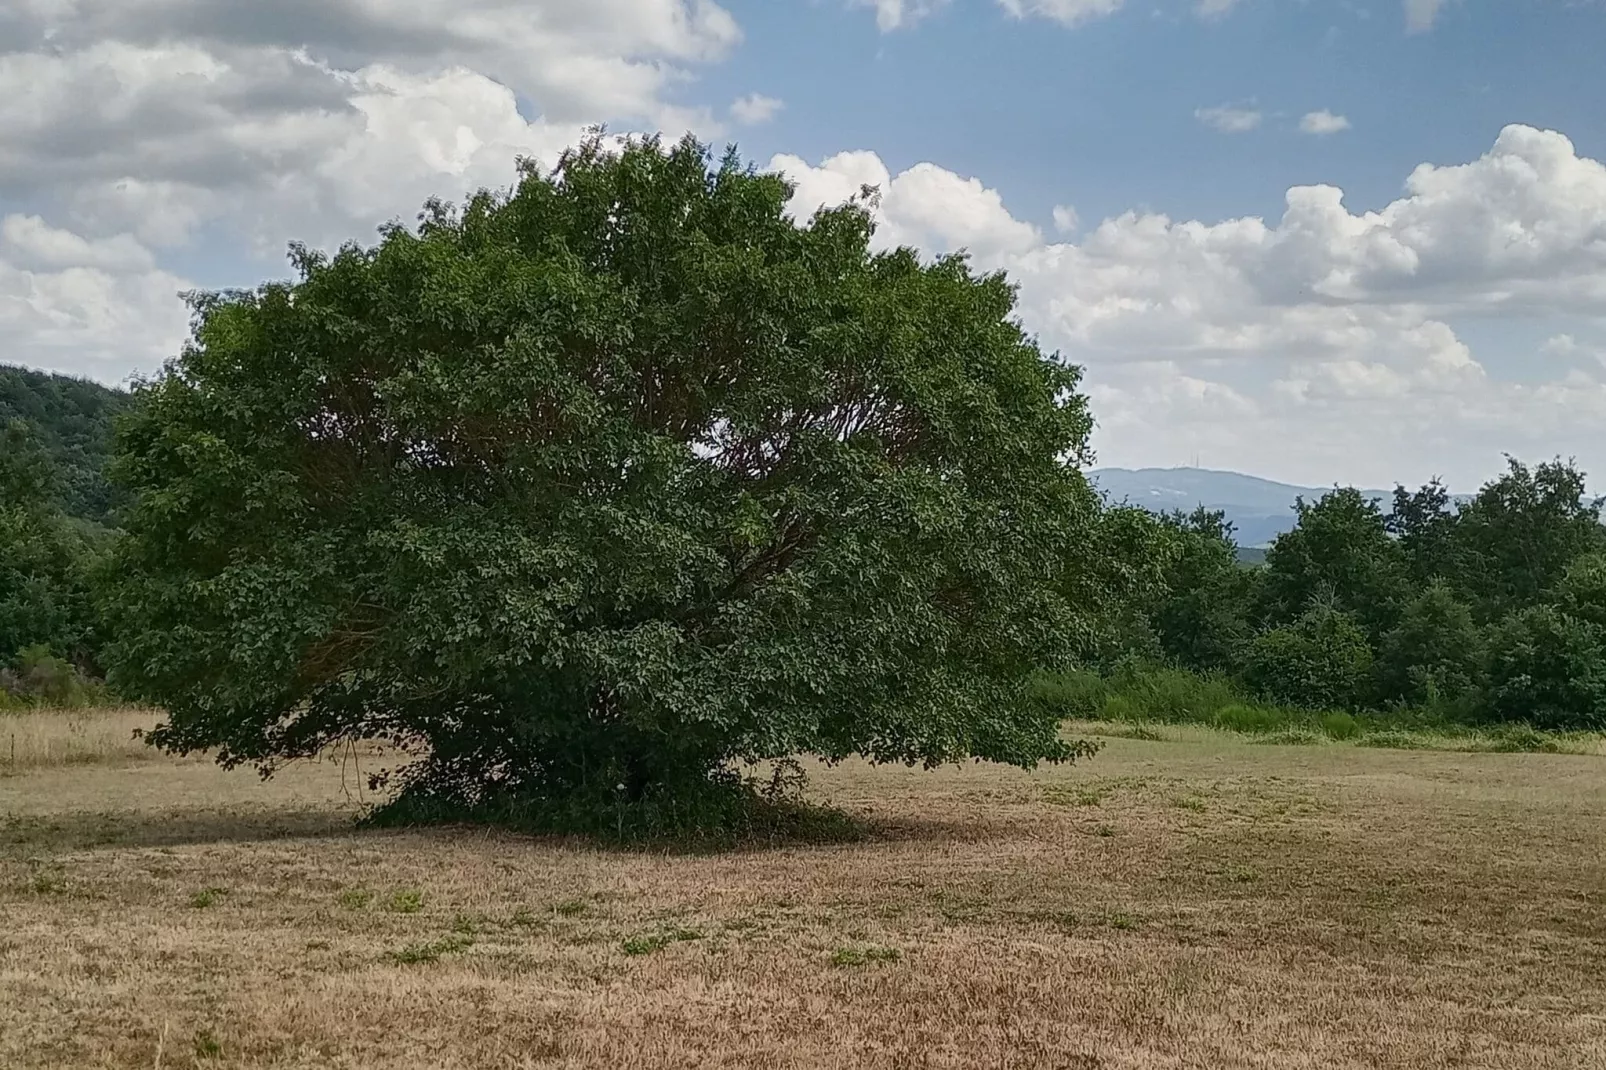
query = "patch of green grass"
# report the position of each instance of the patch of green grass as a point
(1120, 919)
(355, 898)
(207, 897)
(468, 924)
(405, 901)
(524, 918)
(647, 943)
(1071, 694)
(430, 952)
(1189, 802)
(1240, 717)
(571, 908)
(206, 1046)
(864, 956)
(1172, 696)
(1340, 726)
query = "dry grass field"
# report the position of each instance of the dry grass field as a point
(1199, 902)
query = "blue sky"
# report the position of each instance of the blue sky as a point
(1102, 114)
(1161, 179)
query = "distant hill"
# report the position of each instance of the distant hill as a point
(72, 420)
(1261, 509)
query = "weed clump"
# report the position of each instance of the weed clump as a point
(1340, 726)
(845, 957)
(355, 898)
(430, 952)
(405, 901)
(207, 897)
(647, 943)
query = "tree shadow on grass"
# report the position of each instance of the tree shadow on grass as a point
(84, 830)
(796, 828)
(812, 827)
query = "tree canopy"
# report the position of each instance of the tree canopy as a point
(592, 487)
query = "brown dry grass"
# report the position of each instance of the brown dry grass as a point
(1171, 904)
(31, 739)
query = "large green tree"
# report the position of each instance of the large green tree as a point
(1424, 521)
(1338, 554)
(1206, 618)
(1513, 542)
(1434, 654)
(590, 488)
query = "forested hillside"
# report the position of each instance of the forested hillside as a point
(70, 422)
(57, 510)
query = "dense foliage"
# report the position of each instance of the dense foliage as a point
(588, 490)
(47, 559)
(70, 422)
(1493, 611)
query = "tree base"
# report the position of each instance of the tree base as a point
(718, 816)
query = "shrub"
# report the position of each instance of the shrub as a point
(1251, 719)
(1434, 654)
(1547, 669)
(1123, 708)
(1079, 695)
(1522, 739)
(1175, 696)
(1340, 726)
(1321, 661)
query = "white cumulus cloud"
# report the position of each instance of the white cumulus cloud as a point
(755, 108)
(1069, 12)
(1323, 122)
(1422, 14)
(896, 14)
(1324, 330)
(92, 306)
(1229, 119)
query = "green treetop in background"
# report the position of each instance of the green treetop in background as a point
(585, 490)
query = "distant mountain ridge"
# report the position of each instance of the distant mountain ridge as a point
(1260, 509)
